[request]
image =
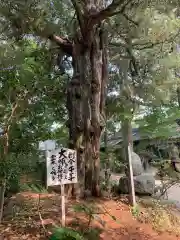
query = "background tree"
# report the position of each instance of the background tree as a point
(28, 102)
(147, 60)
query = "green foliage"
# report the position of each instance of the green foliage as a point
(65, 234)
(135, 211)
(33, 187)
(114, 159)
(27, 81)
(160, 122)
(92, 211)
(93, 233)
(13, 166)
(144, 76)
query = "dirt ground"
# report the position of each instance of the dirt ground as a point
(26, 215)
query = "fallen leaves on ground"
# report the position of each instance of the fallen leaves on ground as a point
(22, 219)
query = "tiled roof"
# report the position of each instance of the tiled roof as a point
(115, 139)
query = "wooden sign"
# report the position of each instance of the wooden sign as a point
(61, 169)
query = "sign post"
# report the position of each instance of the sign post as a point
(61, 167)
(132, 193)
(63, 206)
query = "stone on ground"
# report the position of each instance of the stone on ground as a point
(144, 184)
(137, 164)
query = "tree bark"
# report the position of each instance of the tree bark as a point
(107, 161)
(85, 103)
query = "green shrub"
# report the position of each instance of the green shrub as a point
(33, 187)
(66, 234)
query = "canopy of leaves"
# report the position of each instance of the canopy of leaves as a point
(31, 101)
(160, 123)
(143, 61)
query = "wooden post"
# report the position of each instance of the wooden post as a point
(46, 155)
(132, 193)
(63, 206)
(128, 148)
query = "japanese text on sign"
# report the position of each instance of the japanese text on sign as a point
(61, 167)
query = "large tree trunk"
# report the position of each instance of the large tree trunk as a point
(85, 104)
(107, 162)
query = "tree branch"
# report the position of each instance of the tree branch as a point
(63, 43)
(118, 44)
(130, 20)
(120, 56)
(7, 128)
(79, 14)
(110, 11)
(9, 121)
(143, 46)
(138, 46)
(17, 24)
(133, 60)
(40, 216)
(151, 45)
